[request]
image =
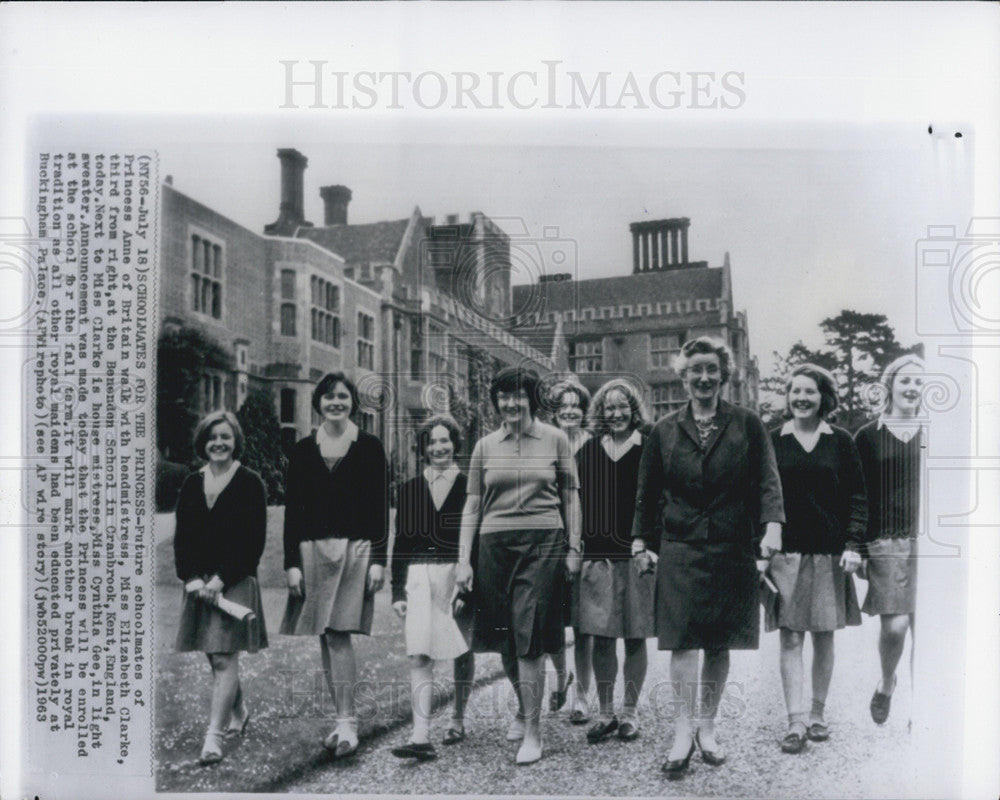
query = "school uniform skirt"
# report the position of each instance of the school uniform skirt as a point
(430, 627)
(815, 594)
(892, 577)
(205, 629)
(518, 592)
(335, 574)
(615, 601)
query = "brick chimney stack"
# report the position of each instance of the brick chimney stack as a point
(335, 202)
(290, 213)
(660, 245)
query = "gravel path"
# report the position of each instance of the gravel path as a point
(859, 760)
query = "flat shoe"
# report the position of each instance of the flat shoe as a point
(238, 727)
(454, 736)
(818, 732)
(675, 768)
(557, 699)
(711, 757)
(628, 731)
(528, 754)
(211, 752)
(515, 732)
(601, 730)
(422, 752)
(579, 717)
(793, 743)
(880, 704)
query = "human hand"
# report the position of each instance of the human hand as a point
(210, 591)
(463, 577)
(400, 608)
(294, 576)
(574, 562)
(375, 578)
(194, 586)
(771, 543)
(644, 562)
(762, 565)
(850, 561)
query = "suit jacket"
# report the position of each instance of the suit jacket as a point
(226, 540)
(351, 502)
(425, 533)
(725, 492)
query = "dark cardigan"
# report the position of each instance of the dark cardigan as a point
(607, 500)
(226, 540)
(348, 503)
(423, 532)
(892, 476)
(826, 509)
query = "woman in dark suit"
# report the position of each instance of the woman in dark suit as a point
(335, 543)
(221, 528)
(711, 468)
(424, 558)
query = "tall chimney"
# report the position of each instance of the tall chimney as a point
(290, 212)
(335, 202)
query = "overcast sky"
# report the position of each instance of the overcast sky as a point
(815, 219)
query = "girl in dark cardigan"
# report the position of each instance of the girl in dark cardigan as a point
(424, 558)
(826, 513)
(617, 596)
(221, 528)
(335, 543)
(890, 449)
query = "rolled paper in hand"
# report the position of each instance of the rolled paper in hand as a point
(233, 609)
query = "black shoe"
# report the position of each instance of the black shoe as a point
(454, 735)
(711, 757)
(599, 730)
(557, 699)
(422, 752)
(880, 704)
(818, 732)
(676, 767)
(628, 731)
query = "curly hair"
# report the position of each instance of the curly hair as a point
(597, 422)
(705, 345)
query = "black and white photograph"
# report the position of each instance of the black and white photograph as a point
(501, 426)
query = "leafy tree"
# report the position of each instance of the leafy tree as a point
(857, 348)
(183, 355)
(263, 452)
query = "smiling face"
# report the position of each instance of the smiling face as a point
(569, 415)
(440, 450)
(617, 413)
(803, 398)
(514, 407)
(335, 405)
(703, 376)
(220, 444)
(907, 387)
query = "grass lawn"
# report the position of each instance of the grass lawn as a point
(290, 706)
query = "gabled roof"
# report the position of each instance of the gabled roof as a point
(374, 243)
(645, 287)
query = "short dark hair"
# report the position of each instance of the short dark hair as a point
(582, 395)
(826, 384)
(706, 345)
(204, 430)
(447, 422)
(326, 385)
(513, 379)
